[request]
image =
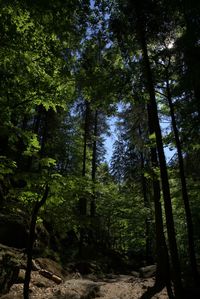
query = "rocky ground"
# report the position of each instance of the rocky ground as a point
(76, 287)
(76, 280)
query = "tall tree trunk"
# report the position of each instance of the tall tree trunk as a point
(94, 164)
(86, 135)
(162, 258)
(83, 199)
(163, 277)
(185, 197)
(146, 205)
(31, 240)
(163, 167)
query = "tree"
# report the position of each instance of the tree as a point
(142, 22)
(66, 68)
(167, 70)
(35, 211)
(153, 117)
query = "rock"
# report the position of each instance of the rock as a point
(10, 296)
(77, 289)
(50, 266)
(11, 260)
(40, 284)
(43, 288)
(91, 277)
(111, 278)
(131, 280)
(148, 271)
(9, 269)
(71, 289)
(135, 274)
(21, 276)
(40, 281)
(76, 275)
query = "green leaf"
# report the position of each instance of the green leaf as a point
(152, 137)
(48, 162)
(33, 145)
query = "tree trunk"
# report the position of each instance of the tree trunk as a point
(146, 205)
(185, 197)
(94, 164)
(162, 258)
(163, 277)
(163, 167)
(31, 240)
(83, 199)
(85, 137)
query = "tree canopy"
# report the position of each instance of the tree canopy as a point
(69, 67)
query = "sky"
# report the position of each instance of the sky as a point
(109, 141)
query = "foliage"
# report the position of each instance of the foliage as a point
(56, 60)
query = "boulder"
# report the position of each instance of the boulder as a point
(148, 271)
(77, 289)
(46, 289)
(10, 263)
(50, 266)
(135, 274)
(21, 276)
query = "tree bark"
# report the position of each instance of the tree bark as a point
(146, 205)
(190, 230)
(31, 240)
(83, 199)
(94, 164)
(85, 137)
(163, 167)
(163, 276)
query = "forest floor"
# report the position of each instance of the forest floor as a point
(112, 287)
